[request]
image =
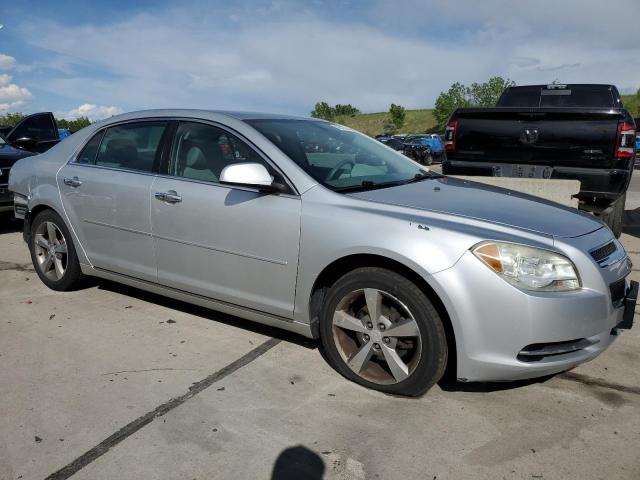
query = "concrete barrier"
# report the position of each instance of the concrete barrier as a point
(560, 191)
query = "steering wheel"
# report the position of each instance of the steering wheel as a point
(339, 167)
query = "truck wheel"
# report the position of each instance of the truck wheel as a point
(615, 218)
(427, 159)
(380, 330)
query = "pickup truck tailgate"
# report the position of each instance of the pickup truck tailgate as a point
(575, 137)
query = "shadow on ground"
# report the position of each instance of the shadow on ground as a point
(298, 463)
(449, 385)
(207, 313)
(631, 222)
(8, 224)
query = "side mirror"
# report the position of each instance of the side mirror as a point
(26, 143)
(252, 175)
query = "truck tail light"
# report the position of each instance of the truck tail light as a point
(626, 140)
(450, 136)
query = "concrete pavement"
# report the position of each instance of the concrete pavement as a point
(103, 376)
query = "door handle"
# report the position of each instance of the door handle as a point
(170, 197)
(72, 182)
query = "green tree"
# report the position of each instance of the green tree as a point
(487, 94)
(398, 115)
(347, 109)
(388, 128)
(323, 110)
(456, 97)
(11, 119)
(73, 125)
(460, 96)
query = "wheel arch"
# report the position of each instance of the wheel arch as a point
(32, 213)
(332, 272)
(35, 209)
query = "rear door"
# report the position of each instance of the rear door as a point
(35, 133)
(232, 244)
(105, 192)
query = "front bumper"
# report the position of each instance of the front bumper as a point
(495, 323)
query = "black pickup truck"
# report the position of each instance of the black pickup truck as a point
(34, 134)
(579, 132)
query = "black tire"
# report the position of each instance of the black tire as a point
(428, 159)
(72, 279)
(433, 359)
(615, 218)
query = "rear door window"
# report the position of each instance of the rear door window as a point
(132, 146)
(88, 154)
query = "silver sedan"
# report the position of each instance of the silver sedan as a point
(309, 226)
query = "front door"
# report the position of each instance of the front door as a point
(235, 245)
(105, 192)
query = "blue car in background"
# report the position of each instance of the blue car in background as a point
(64, 133)
(424, 148)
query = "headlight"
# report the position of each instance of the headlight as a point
(529, 268)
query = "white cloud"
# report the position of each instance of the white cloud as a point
(293, 57)
(7, 62)
(91, 111)
(11, 95)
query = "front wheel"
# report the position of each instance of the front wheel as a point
(53, 254)
(381, 331)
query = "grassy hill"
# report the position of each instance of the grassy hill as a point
(419, 121)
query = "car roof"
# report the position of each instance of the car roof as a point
(201, 113)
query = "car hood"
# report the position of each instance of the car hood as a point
(10, 155)
(484, 202)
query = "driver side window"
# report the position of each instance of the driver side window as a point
(201, 151)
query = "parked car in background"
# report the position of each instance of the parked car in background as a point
(577, 132)
(64, 133)
(637, 120)
(398, 271)
(34, 134)
(424, 148)
(394, 141)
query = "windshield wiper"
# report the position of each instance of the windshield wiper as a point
(424, 175)
(369, 185)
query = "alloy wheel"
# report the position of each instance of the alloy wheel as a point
(377, 336)
(50, 248)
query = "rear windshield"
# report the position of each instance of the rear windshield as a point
(558, 96)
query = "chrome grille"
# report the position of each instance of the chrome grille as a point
(603, 252)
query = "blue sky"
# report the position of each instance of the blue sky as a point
(103, 57)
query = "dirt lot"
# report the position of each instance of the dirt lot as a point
(111, 383)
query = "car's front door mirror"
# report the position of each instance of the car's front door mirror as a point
(26, 143)
(37, 133)
(252, 175)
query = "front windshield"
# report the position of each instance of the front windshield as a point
(338, 157)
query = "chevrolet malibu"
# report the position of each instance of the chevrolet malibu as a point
(312, 227)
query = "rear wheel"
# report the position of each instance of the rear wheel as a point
(53, 254)
(615, 218)
(380, 330)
